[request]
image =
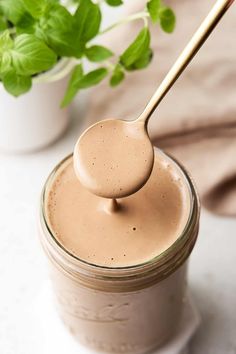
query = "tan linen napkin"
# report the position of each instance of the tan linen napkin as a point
(196, 122)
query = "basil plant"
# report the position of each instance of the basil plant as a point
(35, 35)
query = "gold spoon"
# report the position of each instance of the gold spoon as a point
(114, 158)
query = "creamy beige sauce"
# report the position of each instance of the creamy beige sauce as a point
(131, 232)
(114, 158)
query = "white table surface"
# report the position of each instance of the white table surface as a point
(23, 271)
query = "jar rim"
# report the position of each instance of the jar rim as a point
(160, 259)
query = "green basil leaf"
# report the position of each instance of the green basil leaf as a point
(167, 19)
(154, 7)
(16, 84)
(12, 9)
(25, 23)
(15, 12)
(117, 76)
(143, 61)
(56, 27)
(6, 42)
(135, 51)
(87, 23)
(98, 53)
(114, 2)
(35, 7)
(26, 28)
(73, 85)
(79, 81)
(31, 56)
(5, 63)
(93, 78)
(3, 23)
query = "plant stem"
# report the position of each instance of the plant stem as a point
(110, 66)
(145, 21)
(51, 77)
(139, 16)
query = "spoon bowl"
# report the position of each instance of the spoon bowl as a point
(114, 158)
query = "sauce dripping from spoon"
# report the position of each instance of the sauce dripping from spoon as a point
(114, 158)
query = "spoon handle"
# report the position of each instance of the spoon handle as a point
(186, 56)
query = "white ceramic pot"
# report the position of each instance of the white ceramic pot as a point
(35, 119)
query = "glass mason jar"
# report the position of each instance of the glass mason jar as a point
(129, 310)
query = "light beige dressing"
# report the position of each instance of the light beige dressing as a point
(114, 158)
(130, 231)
